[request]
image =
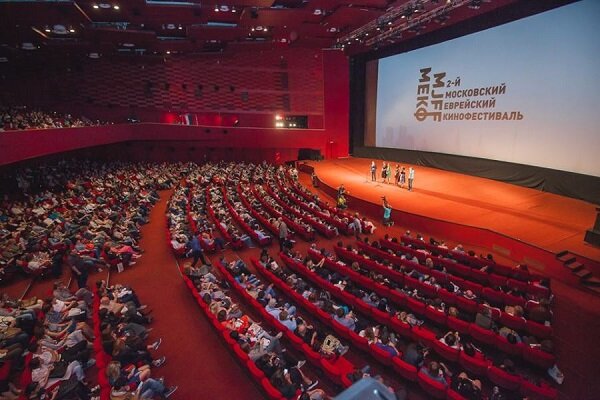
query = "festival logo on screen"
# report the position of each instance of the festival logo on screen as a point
(442, 99)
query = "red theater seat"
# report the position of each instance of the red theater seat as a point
(452, 395)
(513, 349)
(504, 379)
(404, 369)
(444, 351)
(477, 366)
(272, 393)
(433, 388)
(535, 392)
(256, 373)
(538, 357)
(482, 335)
(540, 331)
(439, 317)
(458, 325)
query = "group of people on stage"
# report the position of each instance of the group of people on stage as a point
(400, 174)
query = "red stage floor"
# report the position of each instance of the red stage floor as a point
(548, 221)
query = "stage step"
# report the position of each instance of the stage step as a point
(565, 257)
(594, 288)
(583, 273)
(591, 281)
(574, 266)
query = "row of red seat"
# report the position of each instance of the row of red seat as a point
(257, 374)
(300, 230)
(299, 200)
(245, 227)
(475, 365)
(235, 244)
(308, 218)
(484, 336)
(335, 369)
(464, 259)
(323, 205)
(494, 297)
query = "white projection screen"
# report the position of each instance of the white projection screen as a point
(526, 92)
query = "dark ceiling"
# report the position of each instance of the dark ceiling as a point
(145, 27)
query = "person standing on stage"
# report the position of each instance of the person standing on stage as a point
(388, 173)
(373, 171)
(411, 178)
(383, 172)
(402, 177)
(387, 213)
(397, 174)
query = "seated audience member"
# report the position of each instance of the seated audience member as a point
(437, 371)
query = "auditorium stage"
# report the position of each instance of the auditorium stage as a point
(547, 221)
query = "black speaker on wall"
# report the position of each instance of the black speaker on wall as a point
(309, 154)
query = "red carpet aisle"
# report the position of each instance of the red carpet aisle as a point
(196, 359)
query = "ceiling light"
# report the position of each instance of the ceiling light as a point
(95, 6)
(233, 9)
(168, 51)
(216, 8)
(72, 30)
(180, 27)
(266, 30)
(224, 8)
(47, 30)
(116, 7)
(105, 5)
(317, 11)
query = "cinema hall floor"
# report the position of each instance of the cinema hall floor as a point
(545, 220)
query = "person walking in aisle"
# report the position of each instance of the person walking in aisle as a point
(411, 178)
(283, 233)
(196, 250)
(373, 171)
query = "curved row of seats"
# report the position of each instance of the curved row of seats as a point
(307, 217)
(310, 197)
(535, 356)
(257, 374)
(465, 259)
(514, 280)
(307, 235)
(336, 370)
(472, 364)
(300, 201)
(470, 306)
(235, 244)
(265, 241)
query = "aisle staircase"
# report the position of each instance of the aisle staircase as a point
(577, 266)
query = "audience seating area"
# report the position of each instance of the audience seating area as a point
(19, 118)
(77, 212)
(456, 324)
